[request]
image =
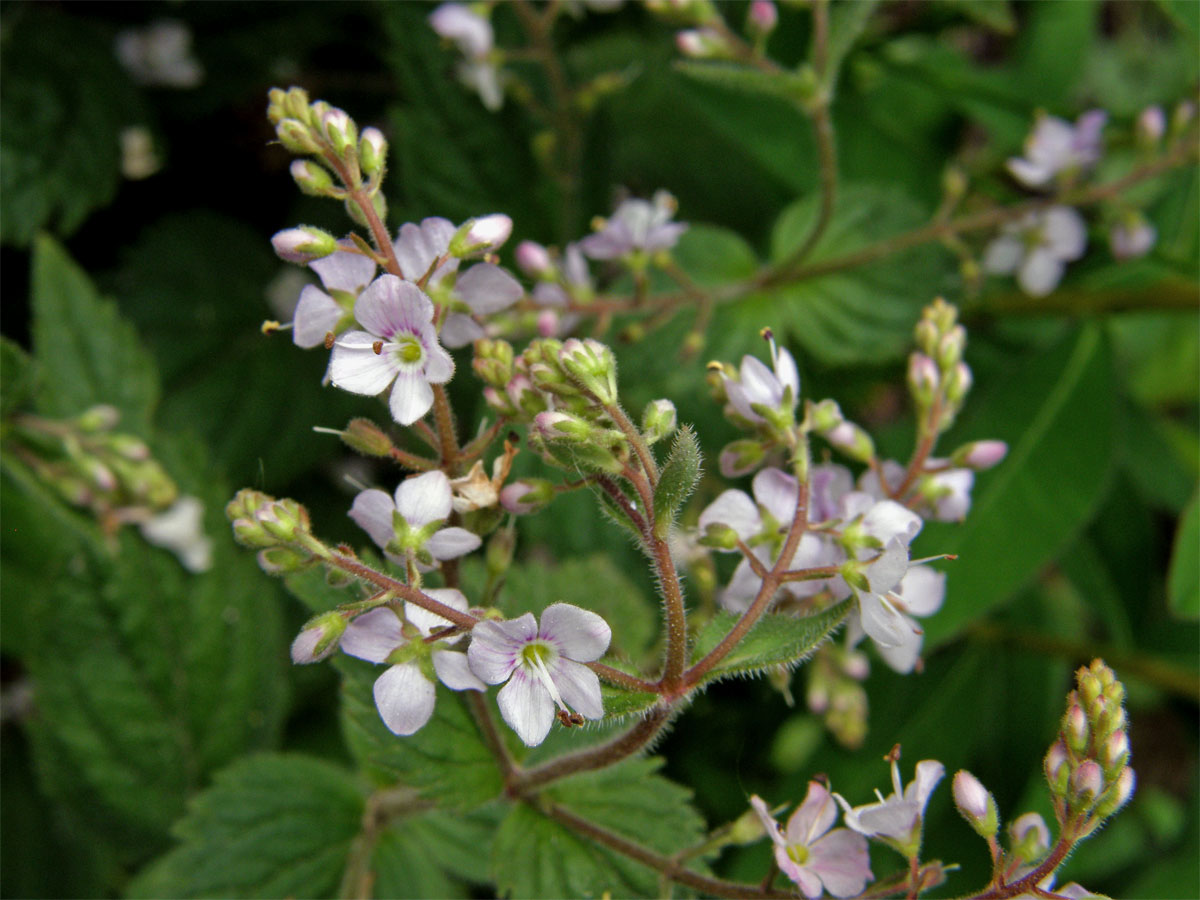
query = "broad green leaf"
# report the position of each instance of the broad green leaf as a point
(847, 22)
(270, 826)
(1053, 44)
(1057, 413)
(1183, 579)
(677, 481)
(1164, 474)
(747, 79)
(447, 760)
(535, 856)
(774, 641)
(86, 353)
(64, 101)
(402, 865)
(994, 14)
(17, 376)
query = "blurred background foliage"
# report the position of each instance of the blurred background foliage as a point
(130, 686)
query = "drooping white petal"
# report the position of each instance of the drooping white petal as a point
(469, 30)
(373, 635)
(578, 634)
(1040, 272)
(759, 382)
(495, 646)
(735, 510)
(787, 373)
(355, 366)
(424, 498)
(903, 657)
(316, 315)
(882, 622)
(929, 773)
(454, 671)
(841, 860)
(343, 271)
(579, 687)
(404, 698)
(885, 571)
(1064, 233)
(887, 520)
(439, 367)
(390, 306)
(417, 246)
(410, 399)
(1003, 255)
(450, 543)
(813, 817)
(1030, 174)
(488, 289)
(922, 589)
(526, 706)
(777, 491)
(954, 504)
(372, 511)
(427, 622)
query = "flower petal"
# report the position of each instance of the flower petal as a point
(888, 520)
(373, 635)
(1003, 255)
(449, 543)
(424, 498)
(578, 634)
(388, 306)
(316, 315)
(488, 289)
(734, 509)
(1064, 233)
(882, 622)
(813, 817)
(417, 246)
(495, 645)
(777, 491)
(841, 860)
(1040, 272)
(439, 367)
(427, 622)
(404, 698)
(344, 271)
(903, 657)
(459, 330)
(526, 706)
(578, 686)
(885, 571)
(356, 367)
(372, 511)
(922, 589)
(454, 671)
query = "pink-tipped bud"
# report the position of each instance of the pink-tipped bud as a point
(339, 129)
(975, 804)
(702, 43)
(526, 496)
(958, 383)
(319, 639)
(534, 260)
(1030, 836)
(1118, 794)
(1151, 125)
(950, 347)
(548, 323)
(372, 151)
(980, 455)
(1115, 752)
(923, 379)
(1057, 767)
(1075, 728)
(557, 426)
(852, 441)
(740, 458)
(482, 235)
(826, 415)
(1087, 781)
(761, 18)
(303, 245)
(311, 178)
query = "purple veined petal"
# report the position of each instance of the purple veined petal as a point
(526, 706)
(450, 543)
(922, 589)
(411, 398)
(801, 875)
(777, 491)
(578, 634)
(829, 483)
(469, 30)
(439, 367)
(372, 511)
(882, 622)
(417, 246)
(344, 271)
(495, 646)
(841, 860)
(578, 686)
(885, 570)
(903, 657)
(734, 509)
(373, 635)
(813, 817)
(404, 698)
(1003, 255)
(759, 382)
(424, 498)
(389, 306)
(355, 366)
(488, 289)
(427, 622)
(459, 330)
(316, 315)
(740, 401)
(454, 671)
(1040, 272)
(1064, 232)
(929, 773)
(888, 519)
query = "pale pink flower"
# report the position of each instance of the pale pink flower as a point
(420, 504)
(898, 816)
(1055, 146)
(1037, 248)
(636, 225)
(318, 313)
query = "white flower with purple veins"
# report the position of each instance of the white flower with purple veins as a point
(898, 817)
(920, 592)
(411, 521)
(473, 35)
(405, 693)
(318, 314)
(636, 226)
(544, 667)
(1037, 248)
(399, 346)
(811, 855)
(1056, 146)
(758, 390)
(481, 290)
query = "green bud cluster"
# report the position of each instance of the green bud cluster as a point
(937, 373)
(279, 529)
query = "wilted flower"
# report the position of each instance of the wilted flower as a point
(1055, 146)
(1037, 248)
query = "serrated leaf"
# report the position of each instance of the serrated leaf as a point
(447, 760)
(775, 640)
(270, 826)
(64, 101)
(1057, 412)
(86, 353)
(677, 479)
(749, 80)
(1183, 578)
(535, 856)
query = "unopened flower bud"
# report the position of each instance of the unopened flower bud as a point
(950, 347)
(1115, 752)
(103, 417)
(746, 828)
(761, 18)
(526, 496)
(1057, 767)
(954, 182)
(128, 447)
(534, 260)
(958, 384)
(1131, 236)
(852, 441)
(311, 178)
(367, 438)
(303, 245)
(741, 458)
(658, 420)
(297, 137)
(592, 366)
(283, 560)
(1075, 728)
(825, 416)
(926, 335)
(479, 236)
(976, 804)
(372, 152)
(319, 639)
(1151, 126)
(339, 130)
(1030, 837)
(979, 455)
(557, 426)
(1118, 794)
(719, 536)
(1087, 781)
(703, 43)
(923, 379)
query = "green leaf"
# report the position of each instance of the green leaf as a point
(447, 760)
(677, 480)
(86, 353)
(535, 856)
(1183, 578)
(17, 376)
(775, 640)
(270, 826)
(996, 15)
(749, 80)
(1057, 413)
(847, 22)
(402, 865)
(64, 101)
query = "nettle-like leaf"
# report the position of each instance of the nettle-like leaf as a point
(270, 826)
(536, 856)
(775, 640)
(677, 481)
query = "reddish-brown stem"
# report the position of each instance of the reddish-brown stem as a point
(645, 457)
(618, 497)
(1029, 881)
(477, 445)
(400, 589)
(622, 679)
(444, 417)
(411, 460)
(929, 436)
(756, 564)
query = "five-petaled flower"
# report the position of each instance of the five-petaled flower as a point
(405, 693)
(636, 226)
(811, 855)
(544, 667)
(897, 818)
(399, 345)
(411, 521)
(318, 313)
(1037, 248)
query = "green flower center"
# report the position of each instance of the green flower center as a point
(536, 655)
(798, 853)
(409, 350)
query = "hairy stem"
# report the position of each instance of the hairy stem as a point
(400, 589)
